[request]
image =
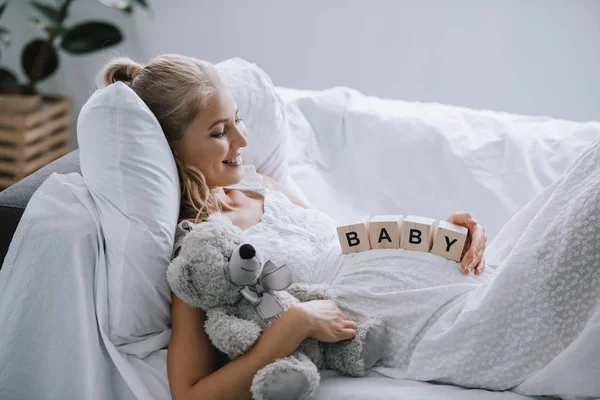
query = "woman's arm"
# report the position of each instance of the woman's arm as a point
(272, 184)
(192, 360)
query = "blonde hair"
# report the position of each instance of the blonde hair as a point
(174, 88)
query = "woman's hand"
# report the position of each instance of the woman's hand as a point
(326, 322)
(475, 245)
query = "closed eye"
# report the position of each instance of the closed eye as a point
(224, 131)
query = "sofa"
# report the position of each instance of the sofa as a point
(13, 200)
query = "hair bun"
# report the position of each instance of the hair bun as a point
(121, 70)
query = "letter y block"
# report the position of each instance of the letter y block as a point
(449, 240)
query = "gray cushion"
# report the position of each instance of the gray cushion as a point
(14, 199)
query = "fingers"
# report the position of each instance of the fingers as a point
(347, 334)
(480, 267)
(474, 240)
(476, 249)
(468, 259)
(348, 330)
(472, 259)
(350, 324)
(463, 219)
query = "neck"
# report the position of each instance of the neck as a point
(227, 204)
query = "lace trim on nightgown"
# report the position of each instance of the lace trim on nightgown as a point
(286, 234)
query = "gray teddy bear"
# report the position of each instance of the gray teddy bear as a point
(242, 295)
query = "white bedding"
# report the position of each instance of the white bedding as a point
(53, 310)
(53, 307)
(352, 154)
(53, 343)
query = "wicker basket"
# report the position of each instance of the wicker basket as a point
(28, 141)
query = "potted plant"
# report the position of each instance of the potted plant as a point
(34, 127)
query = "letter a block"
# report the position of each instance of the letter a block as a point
(384, 231)
(417, 233)
(354, 236)
(449, 240)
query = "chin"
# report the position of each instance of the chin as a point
(232, 177)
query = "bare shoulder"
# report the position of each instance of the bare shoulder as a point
(274, 185)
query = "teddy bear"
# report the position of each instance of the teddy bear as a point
(243, 294)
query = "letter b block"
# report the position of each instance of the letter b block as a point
(449, 240)
(354, 236)
(417, 233)
(384, 231)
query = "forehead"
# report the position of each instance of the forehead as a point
(221, 105)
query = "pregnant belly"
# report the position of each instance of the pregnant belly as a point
(409, 290)
(397, 269)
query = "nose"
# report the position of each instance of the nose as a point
(240, 138)
(247, 251)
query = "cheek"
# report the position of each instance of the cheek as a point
(205, 153)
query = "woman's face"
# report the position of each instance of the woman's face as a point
(214, 140)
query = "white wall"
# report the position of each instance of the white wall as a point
(532, 57)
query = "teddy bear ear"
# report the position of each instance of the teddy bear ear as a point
(182, 283)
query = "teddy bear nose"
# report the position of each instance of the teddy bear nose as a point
(247, 251)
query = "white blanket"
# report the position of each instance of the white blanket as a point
(53, 336)
(53, 307)
(535, 327)
(53, 342)
(352, 154)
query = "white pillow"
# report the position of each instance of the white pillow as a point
(263, 113)
(129, 170)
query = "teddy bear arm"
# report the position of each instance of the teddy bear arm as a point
(305, 292)
(231, 335)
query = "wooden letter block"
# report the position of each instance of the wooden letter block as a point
(417, 233)
(354, 236)
(449, 240)
(384, 231)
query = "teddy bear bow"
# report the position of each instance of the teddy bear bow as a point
(260, 294)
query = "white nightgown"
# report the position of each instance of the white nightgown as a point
(410, 290)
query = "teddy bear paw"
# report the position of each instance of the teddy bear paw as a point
(375, 339)
(287, 378)
(355, 357)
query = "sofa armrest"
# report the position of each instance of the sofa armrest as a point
(14, 199)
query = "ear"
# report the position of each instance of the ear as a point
(198, 274)
(182, 283)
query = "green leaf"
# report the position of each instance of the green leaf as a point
(142, 3)
(2, 8)
(8, 81)
(90, 36)
(49, 12)
(128, 10)
(5, 36)
(42, 54)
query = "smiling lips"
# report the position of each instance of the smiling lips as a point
(237, 160)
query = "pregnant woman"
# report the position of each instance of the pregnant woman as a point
(515, 326)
